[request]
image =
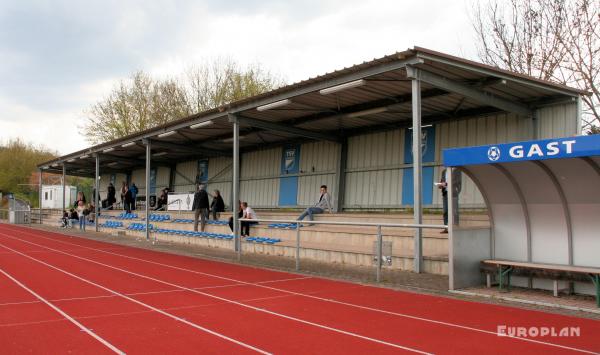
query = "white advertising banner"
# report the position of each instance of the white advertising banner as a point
(185, 204)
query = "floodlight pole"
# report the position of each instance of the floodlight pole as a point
(97, 195)
(148, 156)
(236, 181)
(417, 166)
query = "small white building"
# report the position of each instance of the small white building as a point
(52, 196)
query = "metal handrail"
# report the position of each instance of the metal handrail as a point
(348, 223)
(379, 256)
(179, 202)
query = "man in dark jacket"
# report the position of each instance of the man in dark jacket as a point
(127, 200)
(200, 207)
(457, 182)
(111, 196)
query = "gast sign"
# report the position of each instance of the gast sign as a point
(531, 150)
(518, 151)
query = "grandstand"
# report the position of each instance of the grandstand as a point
(373, 133)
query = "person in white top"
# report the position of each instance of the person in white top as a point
(248, 214)
(80, 209)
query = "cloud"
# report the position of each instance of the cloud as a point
(57, 58)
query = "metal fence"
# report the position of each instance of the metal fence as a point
(298, 224)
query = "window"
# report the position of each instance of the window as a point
(46, 196)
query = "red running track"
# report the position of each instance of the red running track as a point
(67, 294)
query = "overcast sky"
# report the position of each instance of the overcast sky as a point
(59, 57)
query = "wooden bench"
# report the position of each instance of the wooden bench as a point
(504, 269)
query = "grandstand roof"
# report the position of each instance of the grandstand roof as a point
(370, 96)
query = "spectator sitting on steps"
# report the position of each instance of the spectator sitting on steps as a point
(64, 221)
(240, 213)
(162, 201)
(217, 205)
(319, 207)
(248, 214)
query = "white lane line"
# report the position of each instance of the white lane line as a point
(279, 280)
(403, 315)
(62, 313)
(139, 302)
(137, 293)
(99, 316)
(318, 325)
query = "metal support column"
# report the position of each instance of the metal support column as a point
(298, 246)
(236, 182)
(97, 196)
(379, 253)
(417, 166)
(340, 175)
(64, 174)
(148, 156)
(41, 172)
(451, 212)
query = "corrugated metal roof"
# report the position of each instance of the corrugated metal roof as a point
(313, 111)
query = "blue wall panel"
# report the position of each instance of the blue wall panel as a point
(428, 152)
(288, 185)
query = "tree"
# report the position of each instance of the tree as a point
(222, 81)
(143, 102)
(134, 106)
(18, 160)
(555, 40)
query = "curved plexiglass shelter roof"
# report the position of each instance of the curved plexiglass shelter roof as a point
(543, 198)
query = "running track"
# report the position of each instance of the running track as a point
(64, 294)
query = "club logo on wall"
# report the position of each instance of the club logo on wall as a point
(290, 159)
(188, 200)
(493, 153)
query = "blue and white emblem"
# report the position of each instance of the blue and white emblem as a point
(290, 159)
(493, 153)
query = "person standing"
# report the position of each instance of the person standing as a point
(124, 189)
(81, 215)
(457, 186)
(200, 207)
(111, 196)
(319, 207)
(127, 200)
(134, 192)
(80, 198)
(217, 205)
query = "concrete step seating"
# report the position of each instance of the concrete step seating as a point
(165, 218)
(139, 226)
(355, 239)
(126, 216)
(111, 224)
(159, 217)
(212, 222)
